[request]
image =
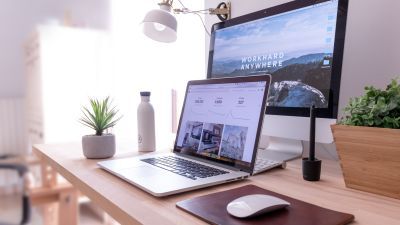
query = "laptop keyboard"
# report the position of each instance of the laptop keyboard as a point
(184, 167)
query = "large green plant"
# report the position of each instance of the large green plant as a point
(376, 108)
(100, 116)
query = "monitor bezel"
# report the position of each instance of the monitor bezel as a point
(333, 104)
(238, 164)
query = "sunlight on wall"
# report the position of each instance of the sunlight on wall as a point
(80, 63)
(74, 65)
(143, 64)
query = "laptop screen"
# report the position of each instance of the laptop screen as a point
(222, 120)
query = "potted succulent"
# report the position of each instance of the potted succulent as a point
(100, 116)
(367, 139)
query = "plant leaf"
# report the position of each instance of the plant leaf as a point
(376, 108)
(100, 116)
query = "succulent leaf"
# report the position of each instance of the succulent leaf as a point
(100, 116)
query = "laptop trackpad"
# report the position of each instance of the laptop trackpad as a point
(155, 180)
(139, 171)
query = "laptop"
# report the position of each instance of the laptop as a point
(216, 141)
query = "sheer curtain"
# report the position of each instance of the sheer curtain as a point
(78, 63)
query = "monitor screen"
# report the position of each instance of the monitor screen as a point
(295, 43)
(221, 121)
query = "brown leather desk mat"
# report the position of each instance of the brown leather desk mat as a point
(212, 209)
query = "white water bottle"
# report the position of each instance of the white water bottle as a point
(146, 124)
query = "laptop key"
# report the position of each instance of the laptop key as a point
(184, 167)
(163, 167)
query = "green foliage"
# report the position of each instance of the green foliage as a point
(376, 108)
(100, 116)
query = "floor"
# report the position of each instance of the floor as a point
(10, 212)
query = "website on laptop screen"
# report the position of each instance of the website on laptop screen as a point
(220, 121)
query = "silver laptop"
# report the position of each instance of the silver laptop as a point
(216, 142)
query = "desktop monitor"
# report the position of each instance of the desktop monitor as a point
(300, 43)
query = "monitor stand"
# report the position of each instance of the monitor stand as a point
(279, 149)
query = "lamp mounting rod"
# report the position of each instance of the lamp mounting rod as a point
(166, 2)
(222, 11)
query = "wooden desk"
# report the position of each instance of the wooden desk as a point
(130, 205)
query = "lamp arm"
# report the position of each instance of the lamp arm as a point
(222, 11)
(186, 11)
(166, 2)
(217, 11)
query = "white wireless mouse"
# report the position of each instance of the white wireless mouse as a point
(253, 205)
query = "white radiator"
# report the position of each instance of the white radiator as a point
(13, 132)
(13, 137)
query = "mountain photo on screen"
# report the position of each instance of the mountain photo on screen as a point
(296, 48)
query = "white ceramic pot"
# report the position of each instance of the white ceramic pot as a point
(98, 147)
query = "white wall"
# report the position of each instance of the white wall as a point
(372, 47)
(137, 63)
(17, 21)
(141, 64)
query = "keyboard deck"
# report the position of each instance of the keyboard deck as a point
(184, 167)
(265, 164)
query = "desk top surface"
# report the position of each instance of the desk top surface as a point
(130, 205)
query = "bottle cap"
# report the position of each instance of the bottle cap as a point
(145, 93)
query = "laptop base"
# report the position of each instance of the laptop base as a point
(277, 154)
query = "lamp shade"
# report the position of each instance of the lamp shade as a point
(160, 25)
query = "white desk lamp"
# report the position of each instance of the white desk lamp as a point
(161, 25)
